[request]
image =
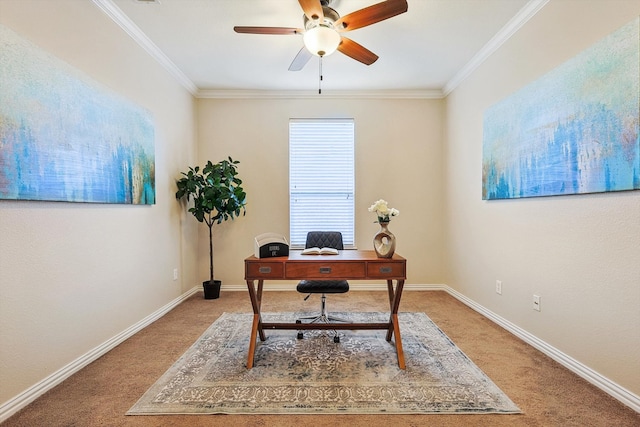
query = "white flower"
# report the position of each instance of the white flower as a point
(383, 211)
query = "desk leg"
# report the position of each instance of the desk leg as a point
(394, 325)
(252, 342)
(394, 303)
(392, 294)
(398, 340)
(256, 326)
(259, 298)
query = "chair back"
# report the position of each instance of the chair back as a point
(324, 239)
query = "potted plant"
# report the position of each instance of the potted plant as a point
(217, 196)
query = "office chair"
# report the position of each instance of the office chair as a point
(322, 239)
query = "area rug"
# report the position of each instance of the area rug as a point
(358, 375)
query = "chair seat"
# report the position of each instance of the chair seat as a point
(323, 286)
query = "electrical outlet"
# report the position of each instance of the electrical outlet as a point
(175, 274)
(536, 302)
(499, 287)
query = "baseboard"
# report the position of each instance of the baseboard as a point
(623, 395)
(13, 405)
(613, 389)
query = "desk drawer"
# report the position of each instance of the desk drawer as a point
(265, 270)
(384, 270)
(322, 270)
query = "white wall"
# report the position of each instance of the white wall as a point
(398, 158)
(74, 275)
(580, 253)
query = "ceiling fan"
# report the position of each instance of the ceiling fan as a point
(324, 28)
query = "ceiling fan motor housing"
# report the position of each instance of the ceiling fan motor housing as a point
(330, 17)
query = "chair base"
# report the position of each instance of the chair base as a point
(323, 317)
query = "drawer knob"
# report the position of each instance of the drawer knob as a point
(265, 270)
(325, 270)
(386, 270)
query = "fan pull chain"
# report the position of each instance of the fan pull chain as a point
(320, 75)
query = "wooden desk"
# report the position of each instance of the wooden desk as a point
(348, 265)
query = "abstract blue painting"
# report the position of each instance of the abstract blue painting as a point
(574, 130)
(63, 137)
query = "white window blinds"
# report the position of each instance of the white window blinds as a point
(321, 178)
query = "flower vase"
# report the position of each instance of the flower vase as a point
(384, 243)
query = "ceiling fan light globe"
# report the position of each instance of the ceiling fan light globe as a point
(321, 40)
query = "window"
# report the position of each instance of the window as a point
(321, 178)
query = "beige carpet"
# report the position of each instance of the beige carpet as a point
(359, 375)
(548, 394)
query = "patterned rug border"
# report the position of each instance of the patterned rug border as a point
(211, 376)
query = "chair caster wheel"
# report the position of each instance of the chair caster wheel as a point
(299, 335)
(336, 339)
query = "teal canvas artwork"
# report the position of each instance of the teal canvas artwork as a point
(574, 130)
(64, 137)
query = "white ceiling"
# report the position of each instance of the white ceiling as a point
(426, 50)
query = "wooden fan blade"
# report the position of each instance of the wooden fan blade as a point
(267, 30)
(372, 14)
(312, 9)
(300, 60)
(357, 51)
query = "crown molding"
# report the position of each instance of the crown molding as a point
(116, 14)
(306, 94)
(524, 15)
(514, 24)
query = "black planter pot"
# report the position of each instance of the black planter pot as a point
(212, 289)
